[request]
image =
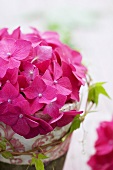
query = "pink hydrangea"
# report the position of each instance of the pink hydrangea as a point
(38, 76)
(103, 157)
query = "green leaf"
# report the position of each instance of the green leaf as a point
(33, 161)
(42, 156)
(39, 164)
(2, 145)
(7, 154)
(75, 124)
(95, 90)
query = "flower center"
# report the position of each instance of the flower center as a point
(31, 72)
(8, 54)
(40, 95)
(55, 81)
(21, 115)
(21, 89)
(9, 100)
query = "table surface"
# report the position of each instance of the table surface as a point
(94, 37)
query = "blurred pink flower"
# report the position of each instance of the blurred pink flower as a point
(101, 162)
(104, 143)
(103, 157)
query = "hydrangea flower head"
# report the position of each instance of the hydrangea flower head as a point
(38, 76)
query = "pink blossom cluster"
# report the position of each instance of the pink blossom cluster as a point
(38, 76)
(103, 157)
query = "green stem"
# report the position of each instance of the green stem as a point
(27, 167)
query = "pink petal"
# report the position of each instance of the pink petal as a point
(52, 38)
(6, 46)
(3, 33)
(44, 53)
(48, 95)
(8, 116)
(42, 56)
(43, 65)
(30, 92)
(57, 73)
(44, 127)
(32, 133)
(3, 67)
(79, 74)
(16, 33)
(21, 102)
(55, 120)
(61, 99)
(22, 82)
(21, 127)
(77, 58)
(35, 105)
(64, 86)
(30, 71)
(38, 86)
(8, 92)
(53, 107)
(32, 123)
(21, 49)
(67, 118)
(67, 72)
(13, 63)
(50, 35)
(11, 75)
(47, 78)
(52, 110)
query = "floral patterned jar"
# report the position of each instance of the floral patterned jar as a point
(51, 143)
